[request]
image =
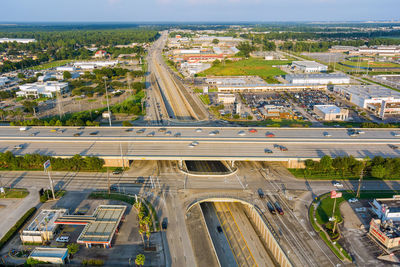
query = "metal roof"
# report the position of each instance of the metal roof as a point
(102, 229)
(328, 109)
(45, 252)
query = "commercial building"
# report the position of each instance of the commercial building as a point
(52, 255)
(377, 50)
(331, 112)
(378, 99)
(189, 69)
(318, 78)
(226, 98)
(274, 112)
(43, 227)
(46, 89)
(387, 208)
(385, 232)
(66, 68)
(4, 81)
(309, 66)
(268, 87)
(95, 64)
(234, 80)
(18, 40)
(100, 227)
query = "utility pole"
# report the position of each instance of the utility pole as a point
(46, 167)
(108, 104)
(108, 182)
(360, 182)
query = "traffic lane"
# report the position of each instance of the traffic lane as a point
(204, 149)
(205, 132)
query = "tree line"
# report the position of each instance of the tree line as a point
(9, 161)
(348, 166)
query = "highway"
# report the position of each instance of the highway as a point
(302, 143)
(169, 92)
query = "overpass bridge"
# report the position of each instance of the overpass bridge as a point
(121, 144)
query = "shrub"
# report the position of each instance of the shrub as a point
(93, 262)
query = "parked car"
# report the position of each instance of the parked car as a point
(18, 147)
(164, 224)
(353, 200)
(63, 239)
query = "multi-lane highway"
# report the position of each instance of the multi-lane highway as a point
(169, 95)
(176, 143)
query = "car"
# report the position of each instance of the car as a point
(63, 239)
(276, 146)
(360, 132)
(53, 130)
(33, 134)
(393, 146)
(168, 133)
(283, 148)
(260, 193)
(337, 184)
(191, 145)
(116, 172)
(252, 130)
(199, 130)
(195, 143)
(94, 133)
(129, 130)
(77, 134)
(362, 209)
(241, 133)
(396, 134)
(219, 229)
(162, 130)
(151, 134)
(326, 134)
(164, 224)
(81, 128)
(268, 151)
(18, 147)
(177, 135)
(269, 134)
(353, 200)
(140, 131)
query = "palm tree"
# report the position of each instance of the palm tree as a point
(139, 261)
(142, 232)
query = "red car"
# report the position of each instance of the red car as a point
(269, 135)
(252, 130)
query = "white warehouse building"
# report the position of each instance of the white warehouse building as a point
(381, 100)
(46, 89)
(331, 112)
(387, 208)
(309, 66)
(318, 78)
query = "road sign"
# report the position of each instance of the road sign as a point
(46, 165)
(335, 194)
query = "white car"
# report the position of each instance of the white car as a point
(199, 130)
(63, 239)
(18, 147)
(241, 133)
(396, 134)
(191, 145)
(338, 185)
(195, 143)
(360, 132)
(353, 200)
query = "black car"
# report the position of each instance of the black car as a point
(164, 224)
(94, 133)
(219, 229)
(260, 193)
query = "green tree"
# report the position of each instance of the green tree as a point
(215, 41)
(67, 75)
(127, 124)
(325, 164)
(140, 259)
(73, 248)
(21, 75)
(378, 171)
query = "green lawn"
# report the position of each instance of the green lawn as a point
(205, 99)
(52, 64)
(251, 66)
(14, 193)
(374, 64)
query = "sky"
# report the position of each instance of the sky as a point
(197, 10)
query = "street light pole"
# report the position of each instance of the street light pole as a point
(108, 104)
